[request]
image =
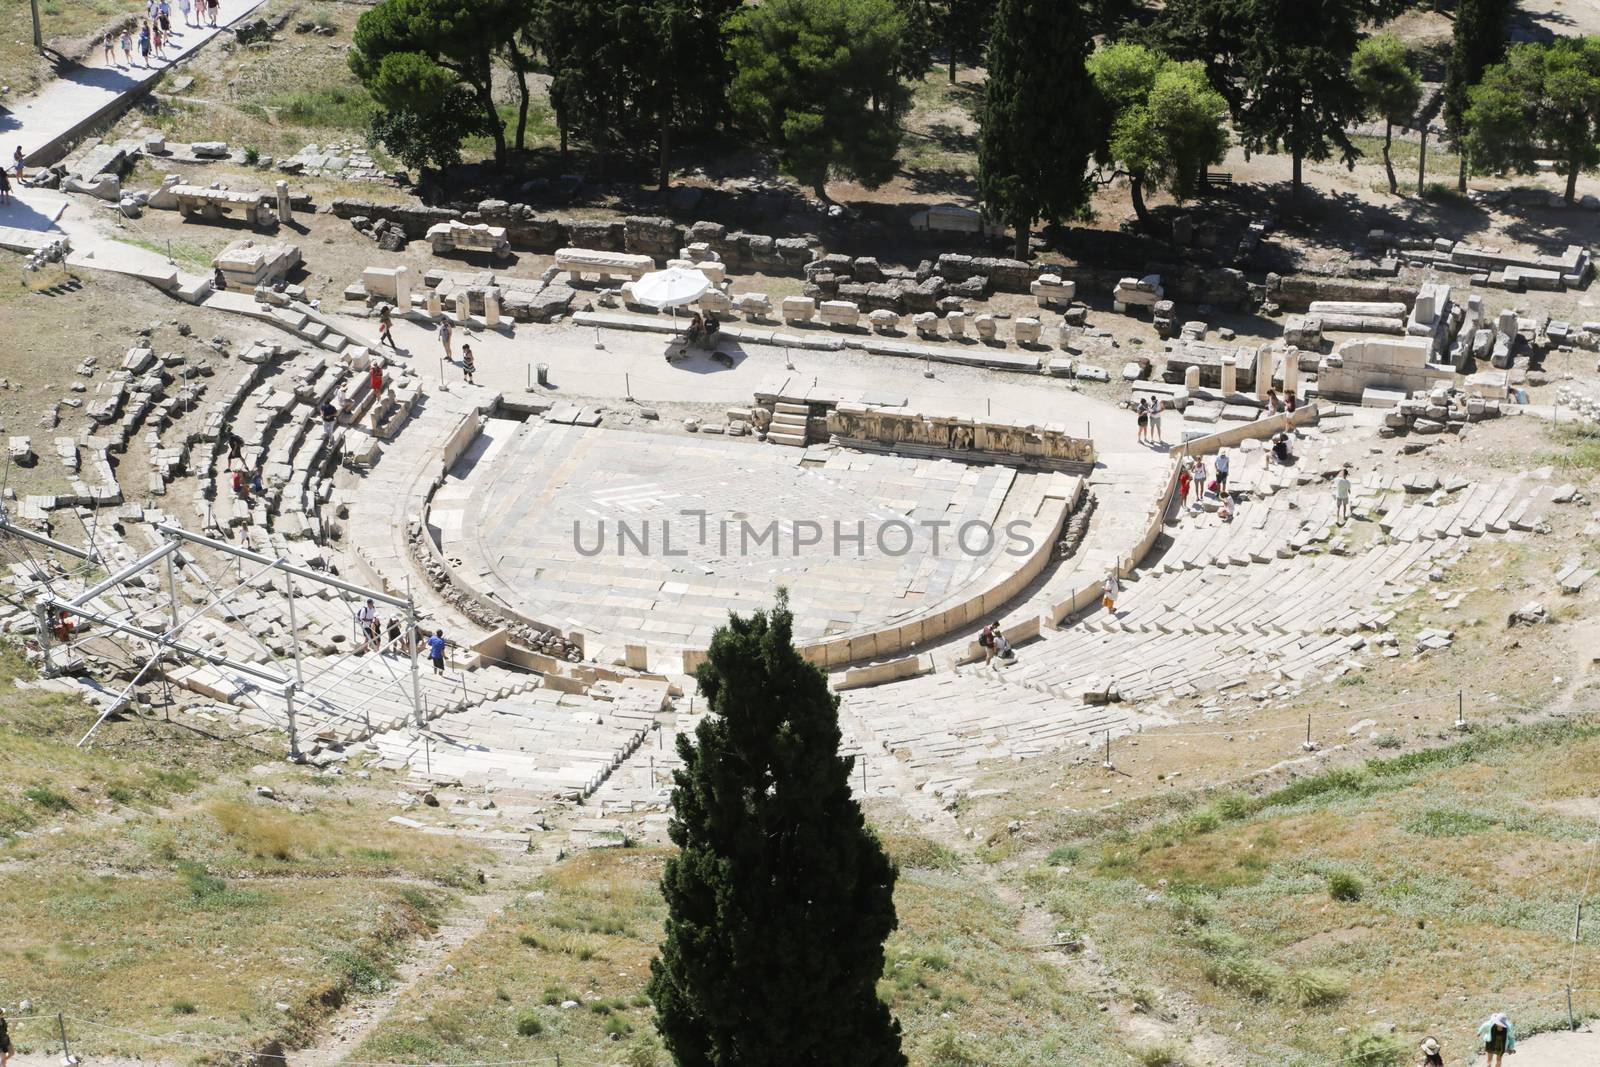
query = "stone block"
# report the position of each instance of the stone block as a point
(883, 321)
(985, 325)
(1026, 330)
(798, 308)
(753, 305)
(926, 324)
(839, 313)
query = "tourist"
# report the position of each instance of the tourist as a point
(1155, 420)
(1280, 449)
(375, 378)
(445, 330)
(1002, 648)
(1289, 403)
(211, 12)
(144, 44)
(5, 188)
(1109, 590)
(1199, 479)
(436, 645)
(386, 328)
(1222, 473)
(5, 1039)
(109, 46)
(1341, 495)
(367, 620)
(1274, 405)
(1185, 477)
(183, 5)
(1225, 510)
(258, 482)
(329, 415)
(468, 364)
(1499, 1037)
(235, 448)
(127, 54)
(241, 488)
(165, 8)
(1431, 1055)
(394, 633)
(712, 326)
(16, 162)
(1144, 422)
(986, 642)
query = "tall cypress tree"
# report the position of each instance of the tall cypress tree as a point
(1040, 118)
(780, 896)
(1478, 42)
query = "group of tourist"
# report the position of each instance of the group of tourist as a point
(391, 637)
(5, 179)
(1496, 1036)
(155, 31)
(446, 331)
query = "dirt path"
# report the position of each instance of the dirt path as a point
(360, 1016)
(1562, 1048)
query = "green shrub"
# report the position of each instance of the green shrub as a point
(643, 1051)
(1214, 941)
(1316, 987)
(252, 155)
(555, 994)
(1389, 741)
(1248, 976)
(1064, 856)
(1344, 886)
(616, 1027)
(47, 798)
(183, 1007)
(201, 882)
(948, 1050)
(1446, 822)
(1158, 1055)
(528, 1024)
(1371, 1050)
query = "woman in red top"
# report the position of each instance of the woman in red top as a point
(376, 377)
(1184, 478)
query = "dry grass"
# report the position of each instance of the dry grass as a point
(1246, 904)
(955, 968)
(68, 28)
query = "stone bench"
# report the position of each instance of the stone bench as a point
(196, 201)
(603, 265)
(798, 308)
(753, 305)
(839, 313)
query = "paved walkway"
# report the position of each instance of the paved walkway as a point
(44, 124)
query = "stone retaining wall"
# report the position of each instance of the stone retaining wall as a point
(1296, 294)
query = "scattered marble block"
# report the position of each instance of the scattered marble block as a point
(456, 236)
(926, 323)
(1049, 289)
(798, 308)
(839, 312)
(985, 325)
(1026, 330)
(883, 320)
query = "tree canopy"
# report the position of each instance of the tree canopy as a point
(1039, 121)
(1542, 102)
(816, 79)
(461, 37)
(1478, 39)
(1389, 88)
(1167, 123)
(780, 896)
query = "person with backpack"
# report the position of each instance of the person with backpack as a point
(986, 640)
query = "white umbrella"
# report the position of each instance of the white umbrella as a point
(671, 288)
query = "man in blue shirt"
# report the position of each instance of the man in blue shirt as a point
(436, 651)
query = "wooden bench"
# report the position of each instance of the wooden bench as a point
(1216, 179)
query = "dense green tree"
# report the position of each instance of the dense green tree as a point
(1477, 42)
(1390, 88)
(780, 897)
(1543, 102)
(1040, 120)
(816, 80)
(463, 37)
(1282, 65)
(1297, 93)
(428, 139)
(627, 73)
(966, 30)
(1167, 123)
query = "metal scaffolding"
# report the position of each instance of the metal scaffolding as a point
(290, 682)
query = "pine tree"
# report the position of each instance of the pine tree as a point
(780, 897)
(1478, 42)
(1389, 88)
(1040, 119)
